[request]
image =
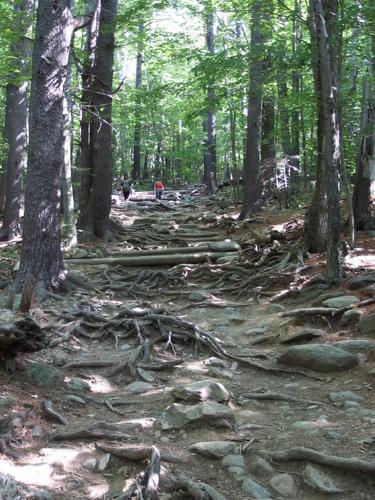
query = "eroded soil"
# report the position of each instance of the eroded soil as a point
(244, 318)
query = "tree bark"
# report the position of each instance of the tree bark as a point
(86, 152)
(268, 151)
(136, 172)
(96, 214)
(251, 166)
(331, 140)
(41, 254)
(15, 130)
(210, 123)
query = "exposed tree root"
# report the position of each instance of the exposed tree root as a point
(100, 430)
(138, 453)
(309, 455)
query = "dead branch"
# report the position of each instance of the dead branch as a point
(277, 396)
(152, 476)
(197, 490)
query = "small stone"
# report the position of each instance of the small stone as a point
(345, 396)
(334, 436)
(275, 308)
(215, 372)
(42, 495)
(260, 330)
(233, 460)
(42, 374)
(213, 449)
(285, 485)
(139, 387)
(217, 362)
(75, 399)
(77, 385)
(125, 347)
(342, 301)
(7, 402)
(146, 376)
(37, 432)
(200, 296)
(89, 464)
(319, 481)
(350, 317)
(164, 439)
(60, 358)
(237, 472)
(261, 467)
(103, 462)
(351, 404)
(255, 489)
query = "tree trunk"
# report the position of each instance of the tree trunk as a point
(15, 130)
(86, 152)
(96, 216)
(70, 229)
(210, 123)
(268, 151)
(251, 166)
(364, 189)
(41, 254)
(331, 138)
(136, 172)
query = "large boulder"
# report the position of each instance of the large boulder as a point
(361, 281)
(319, 357)
(201, 391)
(356, 346)
(342, 301)
(367, 325)
(177, 416)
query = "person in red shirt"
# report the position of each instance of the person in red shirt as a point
(159, 189)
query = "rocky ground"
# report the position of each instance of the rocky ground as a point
(233, 374)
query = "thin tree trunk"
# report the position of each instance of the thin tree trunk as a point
(268, 150)
(210, 123)
(251, 166)
(136, 172)
(15, 130)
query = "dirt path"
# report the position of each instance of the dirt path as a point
(122, 319)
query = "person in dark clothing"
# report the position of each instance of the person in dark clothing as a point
(126, 186)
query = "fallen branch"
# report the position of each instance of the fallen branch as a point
(197, 490)
(152, 476)
(307, 454)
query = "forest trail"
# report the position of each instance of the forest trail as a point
(130, 345)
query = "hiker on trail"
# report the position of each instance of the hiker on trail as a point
(159, 189)
(126, 186)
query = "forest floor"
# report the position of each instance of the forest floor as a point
(128, 346)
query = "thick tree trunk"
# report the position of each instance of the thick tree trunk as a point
(15, 130)
(251, 166)
(41, 254)
(331, 141)
(136, 172)
(210, 123)
(364, 189)
(96, 216)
